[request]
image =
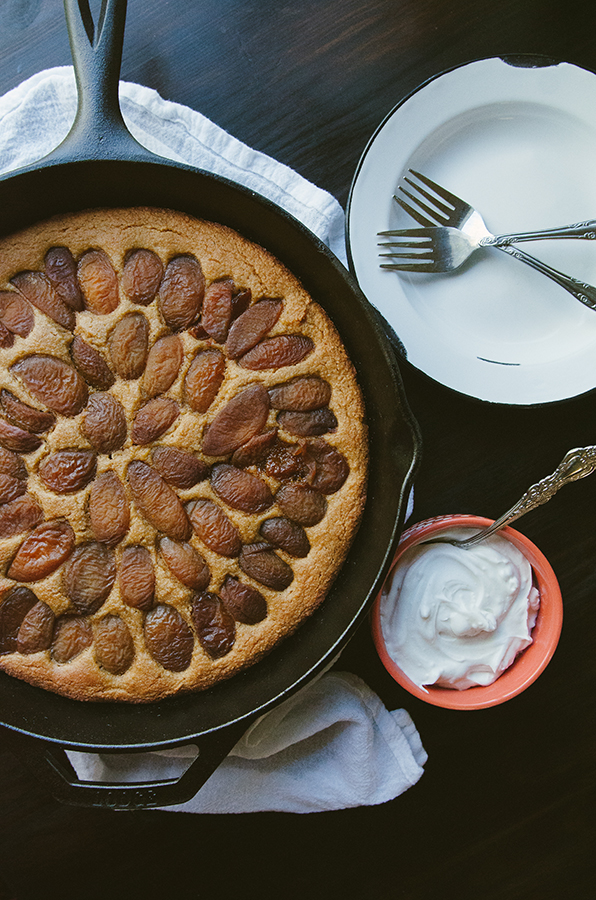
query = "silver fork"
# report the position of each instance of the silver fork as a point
(434, 249)
(444, 208)
(446, 247)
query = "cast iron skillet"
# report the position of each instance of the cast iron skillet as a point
(100, 165)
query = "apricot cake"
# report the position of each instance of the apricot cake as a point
(183, 454)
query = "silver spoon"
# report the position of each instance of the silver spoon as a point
(575, 464)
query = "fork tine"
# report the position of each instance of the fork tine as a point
(415, 247)
(437, 206)
(435, 211)
(425, 244)
(421, 233)
(422, 220)
(409, 267)
(452, 199)
(413, 257)
(433, 215)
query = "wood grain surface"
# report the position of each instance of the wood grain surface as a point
(505, 808)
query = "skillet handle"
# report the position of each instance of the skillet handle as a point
(99, 131)
(51, 766)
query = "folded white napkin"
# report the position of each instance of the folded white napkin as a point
(333, 745)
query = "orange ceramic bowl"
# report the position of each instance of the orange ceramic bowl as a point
(530, 662)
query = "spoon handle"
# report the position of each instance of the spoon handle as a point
(575, 464)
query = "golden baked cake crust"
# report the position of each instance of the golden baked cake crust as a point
(183, 454)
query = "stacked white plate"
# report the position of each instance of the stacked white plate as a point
(519, 144)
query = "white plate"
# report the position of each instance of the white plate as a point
(519, 144)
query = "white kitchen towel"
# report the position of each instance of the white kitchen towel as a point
(333, 745)
(36, 116)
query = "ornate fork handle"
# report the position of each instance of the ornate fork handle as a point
(585, 230)
(575, 464)
(585, 293)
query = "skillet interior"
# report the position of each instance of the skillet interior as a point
(51, 189)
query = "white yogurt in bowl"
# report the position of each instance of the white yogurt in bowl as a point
(458, 617)
(467, 629)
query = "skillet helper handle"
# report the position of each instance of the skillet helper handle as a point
(99, 130)
(51, 766)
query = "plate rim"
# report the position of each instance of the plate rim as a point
(515, 60)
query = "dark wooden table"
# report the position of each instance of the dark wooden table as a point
(505, 808)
